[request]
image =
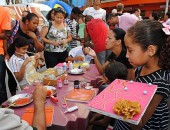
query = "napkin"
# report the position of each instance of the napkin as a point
(28, 115)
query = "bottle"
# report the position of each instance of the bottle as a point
(64, 66)
(76, 84)
(66, 79)
(70, 66)
(59, 83)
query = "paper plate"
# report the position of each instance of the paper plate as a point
(76, 71)
(20, 100)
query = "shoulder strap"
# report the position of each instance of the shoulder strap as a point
(50, 24)
(13, 33)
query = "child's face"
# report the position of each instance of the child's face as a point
(85, 52)
(135, 54)
(59, 18)
(22, 50)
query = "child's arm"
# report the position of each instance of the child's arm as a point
(19, 75)
(102, 122)
(148, 113)
(37, 57)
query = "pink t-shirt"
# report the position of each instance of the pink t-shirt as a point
(97, 31)
(127, 20)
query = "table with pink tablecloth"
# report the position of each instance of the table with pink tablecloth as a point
(76, 120)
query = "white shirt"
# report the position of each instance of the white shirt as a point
(15, 63)
(101, 13)
(78, 51)
(168, 21)
(10, 121)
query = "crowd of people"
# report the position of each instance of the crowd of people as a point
(121, 45)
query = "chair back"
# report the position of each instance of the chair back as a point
(7, 65)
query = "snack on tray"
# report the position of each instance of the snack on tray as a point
(50, 71)
(126, 108)
(35, 76)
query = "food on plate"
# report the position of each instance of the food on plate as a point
(76, 71)
(22, 101)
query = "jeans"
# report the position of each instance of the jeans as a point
(53, 58)
(3, 94)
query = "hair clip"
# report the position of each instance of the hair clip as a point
(166, 29)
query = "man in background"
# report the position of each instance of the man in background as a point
(120, 8)
(124, 21)
(137, 12)
(73, 25)
(96, 11)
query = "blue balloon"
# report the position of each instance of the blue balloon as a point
(66, 7)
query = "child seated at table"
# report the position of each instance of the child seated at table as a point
(114, 70)
(19, 59)
(78, 54)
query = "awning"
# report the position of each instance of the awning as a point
(15, 12)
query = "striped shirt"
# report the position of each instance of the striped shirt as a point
(160, 117)
(15, 64)
(72, 24)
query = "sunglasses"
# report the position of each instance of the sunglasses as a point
(59, 10)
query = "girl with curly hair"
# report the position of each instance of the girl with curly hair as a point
(148, 46)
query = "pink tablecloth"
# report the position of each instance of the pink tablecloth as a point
(71, 121)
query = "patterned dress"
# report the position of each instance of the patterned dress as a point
(55, 34)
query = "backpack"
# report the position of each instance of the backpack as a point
(13, 32)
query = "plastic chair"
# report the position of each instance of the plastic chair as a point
(6, 80)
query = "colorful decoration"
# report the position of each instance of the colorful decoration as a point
(103, 103)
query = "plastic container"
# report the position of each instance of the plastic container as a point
(70, 66)
(64, 66)
(66, 79)
(59, 83)
(76, 84)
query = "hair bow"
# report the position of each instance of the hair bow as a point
(166, 29)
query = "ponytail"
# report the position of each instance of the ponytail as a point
(164, 58)
(29, 17)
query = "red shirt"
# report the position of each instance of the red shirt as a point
(98, 32)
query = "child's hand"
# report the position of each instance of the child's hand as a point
(90, 52)
(37, 56)
(95, 117)
(80, 58)
(27, 60)
(102, 80)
